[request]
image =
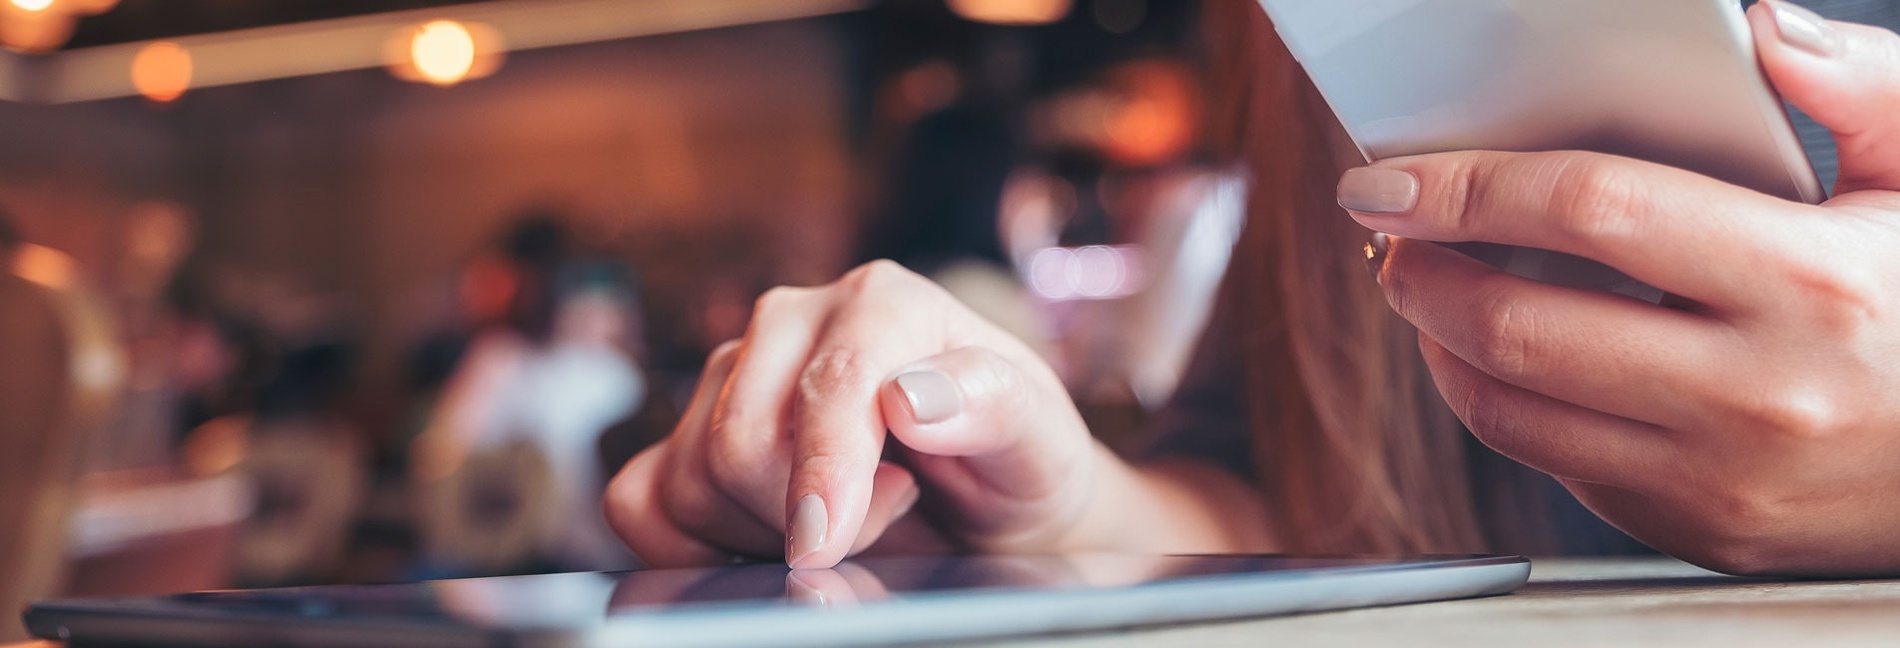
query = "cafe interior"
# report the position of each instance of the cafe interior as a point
(324, 291)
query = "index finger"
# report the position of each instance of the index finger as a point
(1681, 232)
(838, 428)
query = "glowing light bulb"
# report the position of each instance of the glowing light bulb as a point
(162, 71)
(443, 52)
(33, 5)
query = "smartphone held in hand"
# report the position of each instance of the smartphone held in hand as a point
(1675, 83)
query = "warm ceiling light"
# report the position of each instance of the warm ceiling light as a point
(39, 26)
(444, 52)
(1011, 12)
(162, 71)
(33, 31)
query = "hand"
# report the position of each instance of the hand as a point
(1756, 430)
(783, 446)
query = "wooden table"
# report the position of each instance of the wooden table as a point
(1649, 602)
(1576, 602)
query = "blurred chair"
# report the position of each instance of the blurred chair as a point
(309, 477)
(59, 371)
(494, 511)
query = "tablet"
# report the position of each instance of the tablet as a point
(862, 602)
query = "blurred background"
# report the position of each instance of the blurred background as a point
(312, 291)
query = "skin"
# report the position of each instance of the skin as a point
(1754, 430)
(808, 403)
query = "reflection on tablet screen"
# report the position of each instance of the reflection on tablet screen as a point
(568, 600)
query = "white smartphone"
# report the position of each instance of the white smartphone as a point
(1669, 81)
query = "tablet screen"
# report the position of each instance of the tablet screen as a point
(885, 598)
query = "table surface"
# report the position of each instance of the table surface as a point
(1569, 602)
(1579, 602)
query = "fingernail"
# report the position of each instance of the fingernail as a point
(1375, 255)
(1805, 30)
(1375, 190)
(807, 534)
(931, 395)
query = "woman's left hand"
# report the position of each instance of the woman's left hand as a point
(1757, 431)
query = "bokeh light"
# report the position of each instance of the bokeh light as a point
(1086, 273)
(34, 32)
(39, 26)
(162, 71)
(443, 52)
(1011, 12)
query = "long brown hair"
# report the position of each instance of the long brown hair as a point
(1355, 449)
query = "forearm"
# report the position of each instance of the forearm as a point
(1173, 506)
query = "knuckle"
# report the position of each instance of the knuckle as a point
(882, 274)
(1736, 558)
(1740, 530)
(1470, 193)
(1507, 329)
(1397, 284)
(729, 458)
(1845, 300)
(629, 503)
(624, 495)
(1596, 200)
(724, 352)
(1002, 381)
(833, 371)
(1476, 408)
(824, 464)
(1797, 413)
(775, 301)
(720, 361)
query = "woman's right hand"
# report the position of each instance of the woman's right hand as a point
(783, 446)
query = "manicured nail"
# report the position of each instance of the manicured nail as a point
(1805, 30)
(1375, 255)
(807, 535)
(931, 395)
(1375, 190)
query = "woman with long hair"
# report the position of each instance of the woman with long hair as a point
(1754, 427)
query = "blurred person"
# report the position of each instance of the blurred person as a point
(549, 372)
(941, 217)
(1749, 432)
(175, 358)
(33, 505)
(60, 375)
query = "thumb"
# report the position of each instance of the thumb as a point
(1010, 423)
(1846, 76)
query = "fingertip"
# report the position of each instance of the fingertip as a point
(808, 530)
(917, 404)
(1784, 23)
(1378, 190)
(929, 395)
